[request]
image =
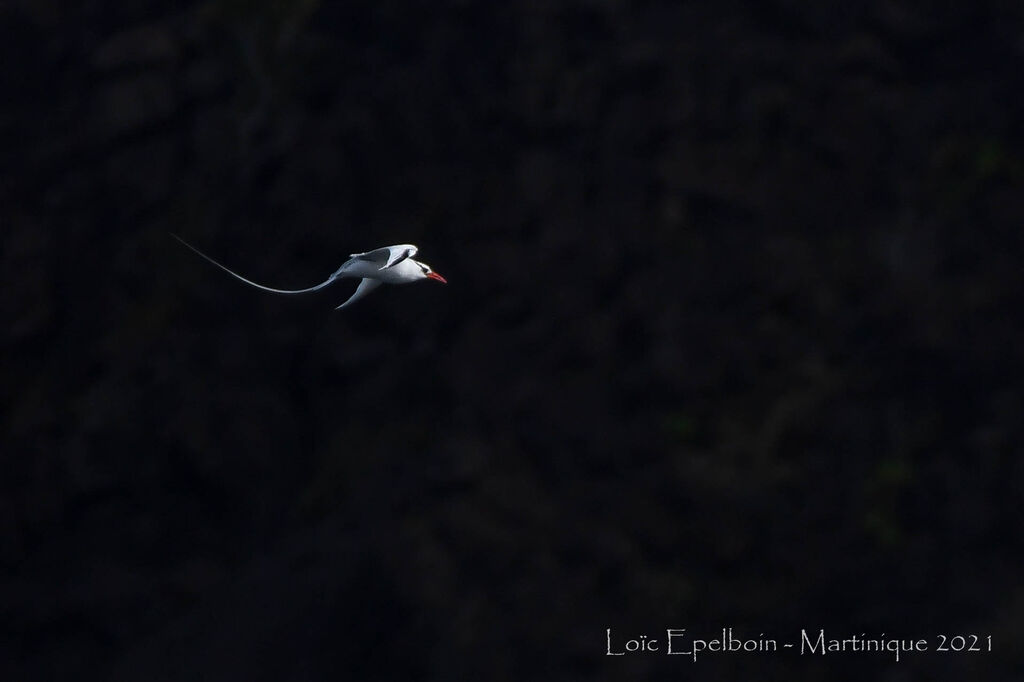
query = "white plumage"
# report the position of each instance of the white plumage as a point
(388, 264)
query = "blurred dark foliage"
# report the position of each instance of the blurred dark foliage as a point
(733, 337)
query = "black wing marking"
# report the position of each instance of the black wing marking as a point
(405, 254)
(386, 257)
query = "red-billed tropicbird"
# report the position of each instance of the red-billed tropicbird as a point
(391, 264)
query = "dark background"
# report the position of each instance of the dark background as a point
(732, 337)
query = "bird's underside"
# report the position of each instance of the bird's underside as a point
(391, 264)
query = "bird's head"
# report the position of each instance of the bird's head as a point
(428, 273)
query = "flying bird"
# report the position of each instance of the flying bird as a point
(390, 264)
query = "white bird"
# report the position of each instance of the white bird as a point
(391, 264)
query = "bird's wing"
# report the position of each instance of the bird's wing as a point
(250, 282)
(387, 256)
(365, 287)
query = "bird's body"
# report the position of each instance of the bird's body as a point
(405, 271)
(388, 264)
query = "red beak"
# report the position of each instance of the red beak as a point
(439, 278)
